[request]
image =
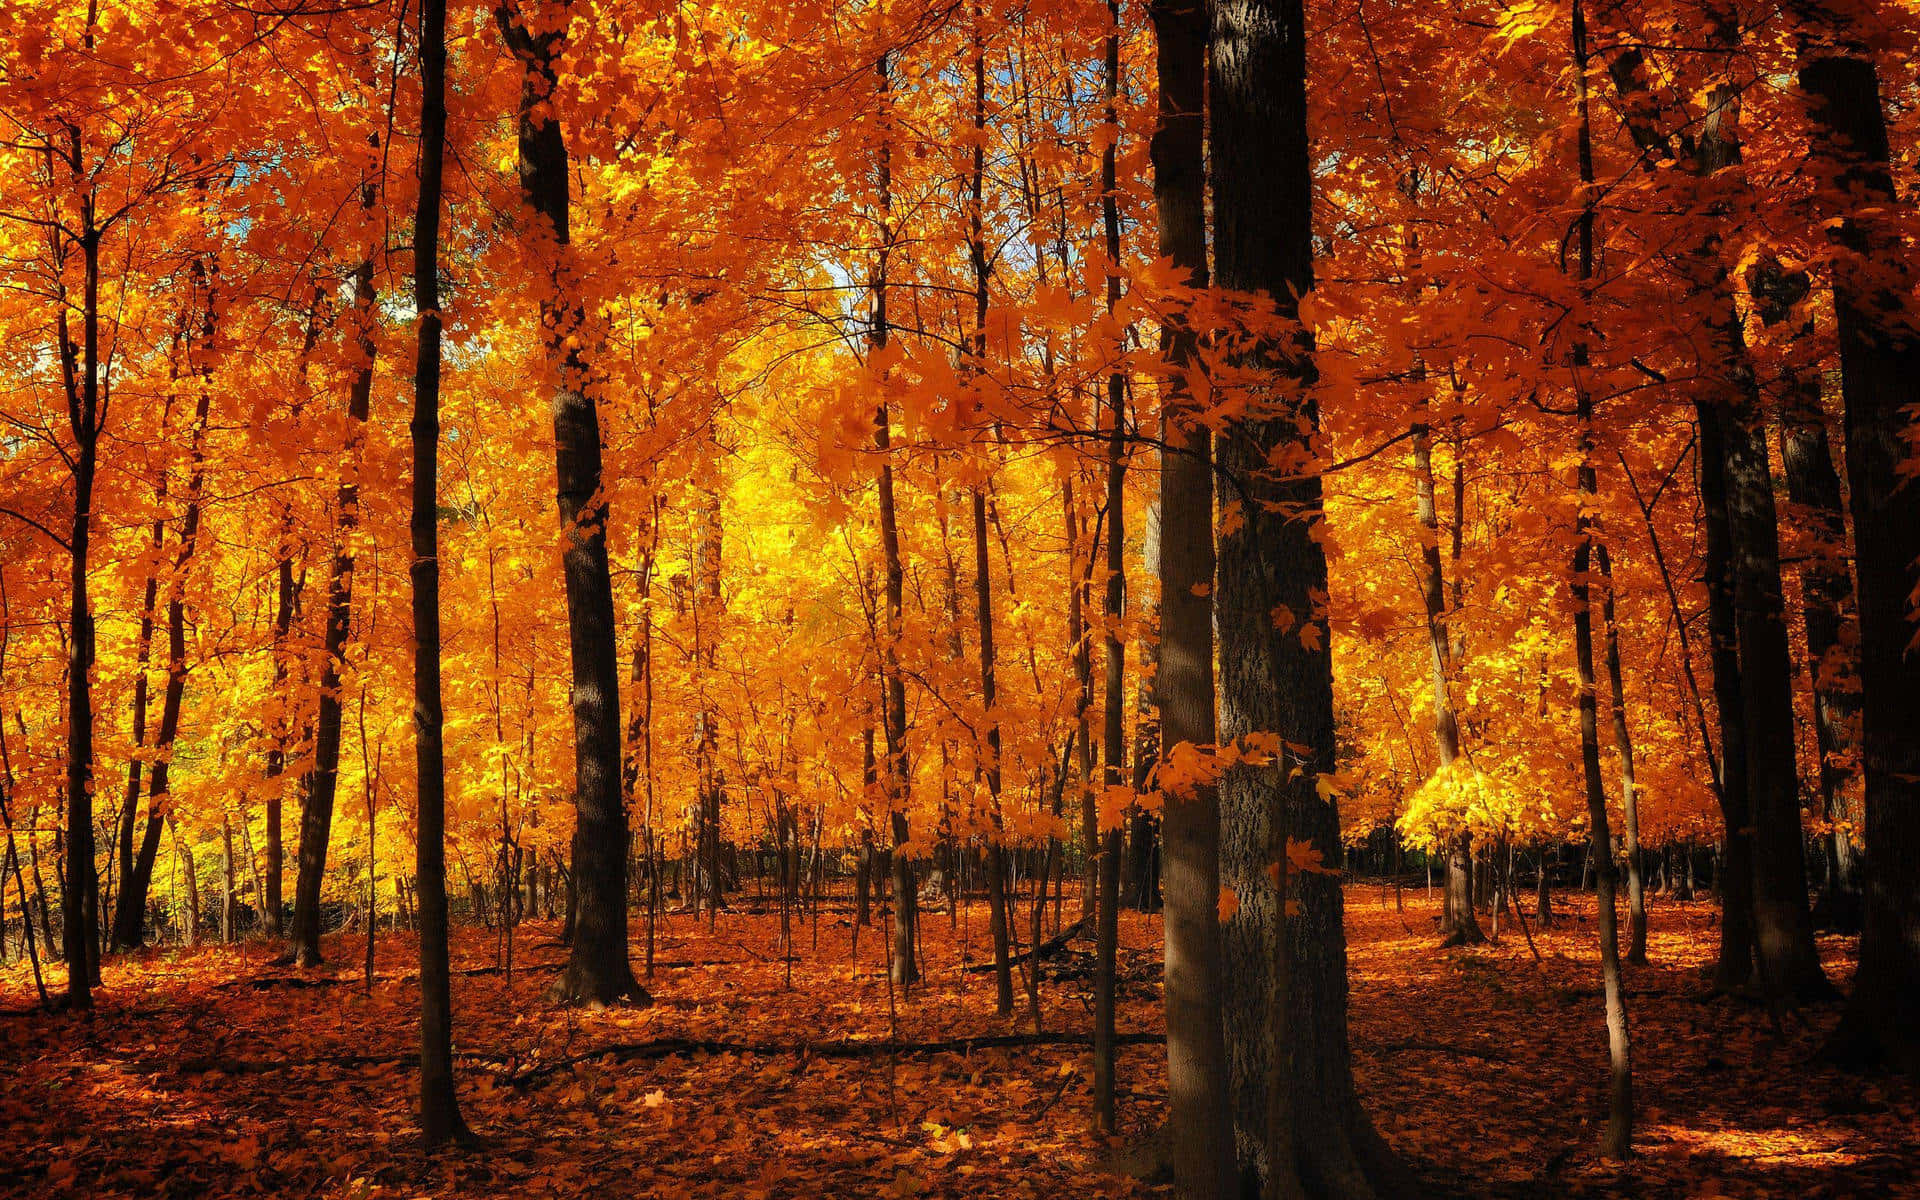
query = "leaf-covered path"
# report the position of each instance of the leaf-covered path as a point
(210, 1074)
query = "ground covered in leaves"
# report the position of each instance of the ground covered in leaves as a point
(217, 1073)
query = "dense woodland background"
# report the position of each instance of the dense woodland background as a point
(1341, 562)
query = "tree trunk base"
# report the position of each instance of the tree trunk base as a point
(1463, 935)
(599, 989)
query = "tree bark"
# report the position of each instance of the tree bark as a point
(1623, 745)
(1113, 753)
(440, 1119)
(598, 971)
(1879, 366)
(1299, 1127)
(1617, 1141)
(1199, 1121)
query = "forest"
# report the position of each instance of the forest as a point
(1222, 599)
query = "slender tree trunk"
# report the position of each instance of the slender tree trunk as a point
(79, 897)
(1617, 1141)
(323, 778)
(598, 971)
(1458, 924)
(1879, 366)
(1623, 744)
(1142, 883)
(899, 776)
(440, 1119)
(129, 929)
(1113, 703)
(1199, 1120)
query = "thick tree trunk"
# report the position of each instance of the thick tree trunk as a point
(1880, 373)
(598, 971)
(1298, 1124)
(440, 1118)
(1199, 1119)
(1826, 586)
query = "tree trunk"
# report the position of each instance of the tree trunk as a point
(1114, 701)
(1879, 365)
(899, 775)
(1199, 1120)
(1733, 874)
(440, 1118)
(79, 898)
(1617, 1142)
(1826, 587)
(1298, 1124)
(597, 971)
(1623, 744)
(323, 778)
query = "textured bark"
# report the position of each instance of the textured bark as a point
(598, 971)
(440, 1119)
(1826, 586)
(1299, 1128)
(1200, 1123)
(1880, 379)
(1785, 958)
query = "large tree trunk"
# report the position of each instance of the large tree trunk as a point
(598, 971)
(1826, 587)
(1880, 379)
(439, 1108)
(1298, 1124)
(1200, 1123)
(1785, 957)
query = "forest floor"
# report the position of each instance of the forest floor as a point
(215, 1073)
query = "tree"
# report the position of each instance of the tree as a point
(598, 971)
(1299, 1127)
(440, 1119)
(1200, 1123)
(1879, 364)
